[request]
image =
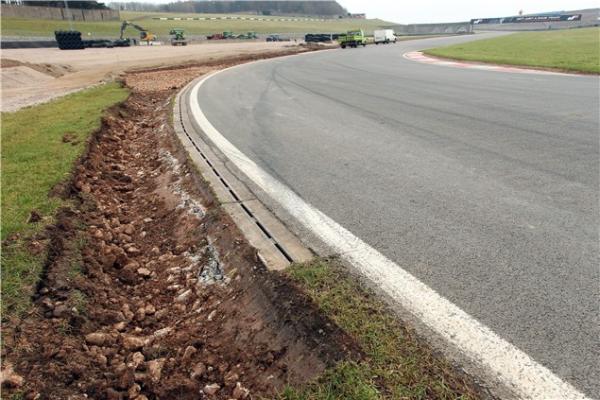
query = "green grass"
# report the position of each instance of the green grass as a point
(570, 50)
(34, 160)
(396, 366)
(38, 27)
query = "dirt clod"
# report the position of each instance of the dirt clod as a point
(188, 353)
(240, 392)
(154, 312)
(134, 391)
(96, 338)
(131, 342)
(34, 216)
(9, 378)
(154, 368)
(198, 371)
(211, 389)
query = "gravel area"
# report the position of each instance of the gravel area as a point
(92, 66)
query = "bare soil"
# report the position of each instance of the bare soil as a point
(150, 291)
(78, 69)
(53, 70)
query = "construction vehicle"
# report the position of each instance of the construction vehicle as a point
(215, 36)
(145, 35)
(231, 35)
(67, 40)
(221, 36)
(353, 39)
(178, 38)
(247, 35)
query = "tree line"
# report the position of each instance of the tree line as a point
(298, 7)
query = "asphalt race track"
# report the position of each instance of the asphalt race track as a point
(483, 185)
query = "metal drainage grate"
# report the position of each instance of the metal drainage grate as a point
(265, 231)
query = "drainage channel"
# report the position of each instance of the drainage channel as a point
(237, 199)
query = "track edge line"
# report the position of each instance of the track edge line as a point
(513, 368)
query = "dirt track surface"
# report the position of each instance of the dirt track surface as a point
(83, 68)
(150, 291)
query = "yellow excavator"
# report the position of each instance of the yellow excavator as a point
(145, 35)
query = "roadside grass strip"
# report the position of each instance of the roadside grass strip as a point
(575, 50)
(397, 365)
(193, 24)
(39, 148)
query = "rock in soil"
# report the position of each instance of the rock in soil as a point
(155, 315)
(9, 378)
(211, 389)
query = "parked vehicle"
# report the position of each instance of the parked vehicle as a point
(318, 37)
(353, 39)
(384, 36)
(277, 38)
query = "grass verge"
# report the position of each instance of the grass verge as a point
(397, 365)
(38, 27)
(567, 50)
(39, 147)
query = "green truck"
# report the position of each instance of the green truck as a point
(352, 39)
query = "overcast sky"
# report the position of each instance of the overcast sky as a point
(423, 11)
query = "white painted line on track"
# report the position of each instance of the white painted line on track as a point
(518, 371)
(419, 56)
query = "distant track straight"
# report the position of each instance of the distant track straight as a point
(482, 185)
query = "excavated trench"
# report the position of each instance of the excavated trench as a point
(150, 291)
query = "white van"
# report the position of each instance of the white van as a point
(384, 36)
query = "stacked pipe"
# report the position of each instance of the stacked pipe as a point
(69, 40)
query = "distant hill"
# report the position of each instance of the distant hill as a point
(329, 8)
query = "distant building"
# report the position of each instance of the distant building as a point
(357, 16)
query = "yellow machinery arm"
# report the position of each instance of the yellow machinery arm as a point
(144, 34)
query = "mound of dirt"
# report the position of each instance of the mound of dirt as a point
(20, 76)
(53, 70)
(150, 291)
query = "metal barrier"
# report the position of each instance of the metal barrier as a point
(432, 29)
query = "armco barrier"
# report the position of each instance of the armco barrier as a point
(27, 44)
(76, 14)
(432, 29)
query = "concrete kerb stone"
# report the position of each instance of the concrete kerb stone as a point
(277, 247)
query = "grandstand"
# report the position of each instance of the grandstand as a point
(541, 21)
